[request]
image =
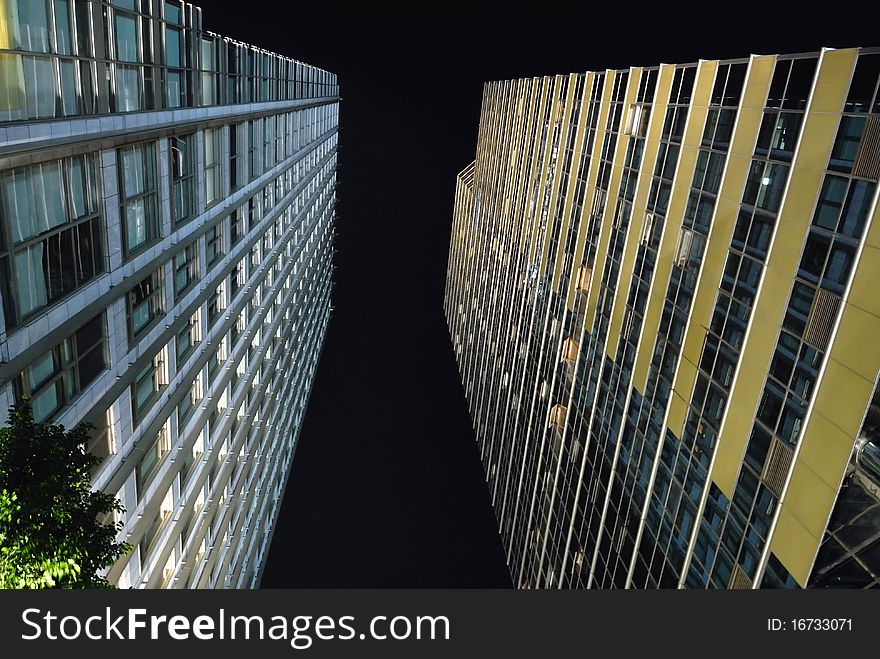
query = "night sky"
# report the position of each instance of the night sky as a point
(386, 488)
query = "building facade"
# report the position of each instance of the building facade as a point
(166, 228)
(661, 294)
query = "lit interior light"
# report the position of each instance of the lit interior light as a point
(765, 180)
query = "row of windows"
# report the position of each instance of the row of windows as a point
(52, 238)
(59, 376)
(160, 446)
(208, 440)
(134, 61)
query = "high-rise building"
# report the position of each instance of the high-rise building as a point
(662, 296)
(166, 229)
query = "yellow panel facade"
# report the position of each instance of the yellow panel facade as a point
(842, 395)
(788, 539)
(591, 176)
(741, 147)
(559, 125)
(640, 199)
(817, 137)
(611, 204)
(514, 376)
(705, 78)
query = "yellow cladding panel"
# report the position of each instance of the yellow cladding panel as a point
(541, 94)
(677, 414)
(863, 293)
(843, 396)
(572, 179)
(812, 157)
(629, 97)
(710, 277)
(737, 423)
(761, 68)
(581, 145)
(684, 172)
(809, 499)
(604, 102)
(825, 449)
(748, 122)
(856, 344)
(639, 206)
(562, 115)
(750, 377)
(834, 74)
(787, 543)
(787, 251)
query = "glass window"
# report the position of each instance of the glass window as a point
(208, 75)
(173, 45)
(190, 400)
(799, 308)
(846, 146)
(255, 143)
(779, 134)
(213, 189)
(830, 202)
(28, 24)
(127, 49)
(186, 269)
(139, 193)
(158, 448)
(216, 304)
(175, 89)
(51, 212)
(83, 29)
(64, 372)
(63, 44)
(146, 302)
(765, 185)
(182, 150)
(37, 75)
(187, 337)
(839, 265)
(69, 100)
(237, 225)
(214, 243)
(172, 12)
(236, 134)
(815, 253)
(855, 211)
(128, 88)
(237, 277)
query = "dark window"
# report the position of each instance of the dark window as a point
(846, 145)
(146, 302)
(65, 371)
(213, 170)
(830, 202)
(186, 269)
(182, 150)
(138, 190)
(235, 156)
(159, 446)
(863, 87)
(214, 243)
(52, 215)
(187, 337)
(148, 384)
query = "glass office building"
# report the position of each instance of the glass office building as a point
(662, 296)
(166, 229)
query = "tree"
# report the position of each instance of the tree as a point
(50, 532)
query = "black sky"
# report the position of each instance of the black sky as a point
(386, 488)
